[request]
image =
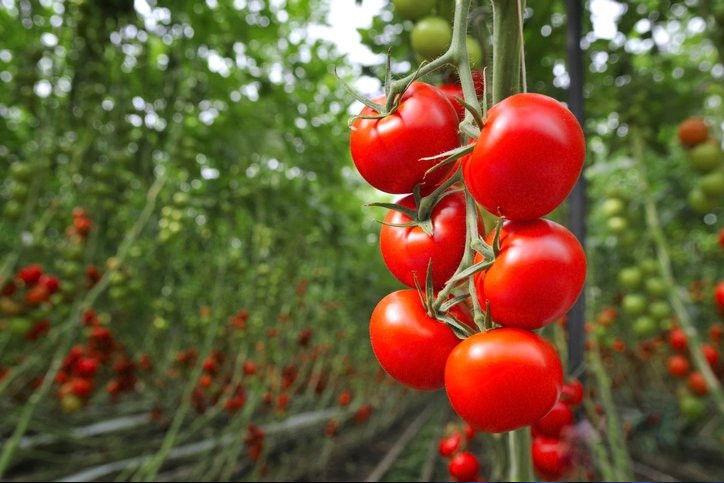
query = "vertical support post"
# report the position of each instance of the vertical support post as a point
(577, 199)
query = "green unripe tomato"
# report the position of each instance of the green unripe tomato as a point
(630, 277)
(659, 309)
(475, 54)
(649, 266)
(705, 157)
(20, 325)
(700, 202)
(712, 184)
(21, 171)
(612, 207)
(645, 326)
(19, 191)
(13, 209)
(617, 224)
(634, 304)
(693, 408)
(656, 287)
(413, 9)
(431, 37)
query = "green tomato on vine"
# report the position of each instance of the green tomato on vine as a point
(413, 9)
(431, 37)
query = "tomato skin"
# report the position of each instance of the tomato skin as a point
(719, 296)
(572, 392)
(408, 250)
(503, 379)
(527, 159)
(431, 37)
(711, 355)
(551, 458)
(697, 384)
(692, 132)
(449, 445)
(413, 9)
(677, 365)
(387, 151)
(464, 467)
(554, 421)
(452, 91)
(410, 346)
(537, 276)
(677, 340)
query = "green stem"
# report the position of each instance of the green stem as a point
(521, 467)
(616, 440)
(454, 53)
(674, 295)
(506, 49)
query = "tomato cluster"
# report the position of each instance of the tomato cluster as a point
(463, 465)
(554, 436)
(705, 157)
(530, 271)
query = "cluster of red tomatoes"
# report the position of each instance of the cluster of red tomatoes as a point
(678, 366)
(705, 157)
(81, 367)
(25, 294)
(554, 437)
(463, 465)
(524, 163)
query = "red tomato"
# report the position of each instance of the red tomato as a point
(387, 151)
(449, 445)
(30, 274)
(527, 158)
(710, 354)
(536, 277)
(410, 345)
(693, 131)
(677, 340)
(677, 365)
(36, 295)
(407, 251)
(554, 421)
(719, 296)
(698, 384)
(469, 432)
(721, 238)
(455, 90)
(86, 367)
(572, 393)
(503, 379)
(715, 333)
(551, 458)
(464, 467)
(81, 387)
(51, 284)
(344, 399)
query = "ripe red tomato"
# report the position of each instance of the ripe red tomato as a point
(30, 274)
(453, 90)
(449, 445)
(344, 399)
(410, 345)
(464, 467)
(721, 238)
(554, 421)
(503, 379)
(715, 333)
(527, 158)
(408, 250)
(677, 365)
(719, 296)
(387, 151)
(551, 458)
(677, 340)
(51, 283)
(536, 277)
(710, 354)
(692, 132)
(86, 367)
(36, 295)
(81, 387)
(698, 384)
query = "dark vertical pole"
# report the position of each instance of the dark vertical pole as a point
(577, 199)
